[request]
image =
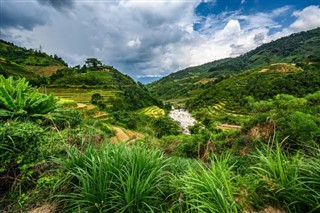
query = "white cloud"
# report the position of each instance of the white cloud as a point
(154, 38)
(135, 43)
(307, 19)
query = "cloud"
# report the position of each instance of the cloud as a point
(16, 15)
(134, 43)
(307, 19)
(58, 4)
(143, 38)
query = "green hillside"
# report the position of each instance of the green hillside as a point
(300, 47)
(28, 63)
(129, 94)
(261, 84)
(93, 77)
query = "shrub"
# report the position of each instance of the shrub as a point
(19, 149)
(191, 146)
(166, 126)
(301, 128)
(66, 118)
(95, 98)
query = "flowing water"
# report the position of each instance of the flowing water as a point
(184, 118)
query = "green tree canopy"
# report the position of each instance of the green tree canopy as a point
(93, 63)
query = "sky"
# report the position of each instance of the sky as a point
(148, 39)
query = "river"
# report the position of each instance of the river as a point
(184, 118)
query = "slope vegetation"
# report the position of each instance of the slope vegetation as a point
(296, 48)
(28, 63)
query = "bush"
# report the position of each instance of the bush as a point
(19, 149)
(301, 128)
(191, 146)
(165, 126)
(67, 118)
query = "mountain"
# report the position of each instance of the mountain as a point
(40, 68)
(188, 83)
(122, 92)
(18, 61)
(263, 83)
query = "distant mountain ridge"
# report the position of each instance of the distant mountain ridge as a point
(190, 82)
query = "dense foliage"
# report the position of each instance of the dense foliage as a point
(18, 100)
(22, 62)
(260, 86)
(24, 56)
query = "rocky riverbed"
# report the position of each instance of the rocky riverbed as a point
(184, 118)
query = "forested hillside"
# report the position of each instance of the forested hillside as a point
(188, 83)
(29, 63)
(261, 84)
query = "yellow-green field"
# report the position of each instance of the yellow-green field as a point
(153, 111)
(81, 95)
(45, 70)
(67, 102)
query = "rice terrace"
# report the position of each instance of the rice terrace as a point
(160, 106)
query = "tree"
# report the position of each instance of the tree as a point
(166, 126)
(93, 63)
(268, 60)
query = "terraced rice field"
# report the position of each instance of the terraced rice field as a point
(153, 111)
(221, 108)
(81, 95)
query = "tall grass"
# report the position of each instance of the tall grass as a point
(310, 177)
(210, 189)
(114, 179)
(290, 181)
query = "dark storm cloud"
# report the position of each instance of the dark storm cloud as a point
(15, 15)
(58, 4)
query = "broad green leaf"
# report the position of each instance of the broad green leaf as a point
(9, 103)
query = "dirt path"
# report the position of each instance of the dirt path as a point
(120, 135)
(87, 106)
(124, 135)
(46, 208)
(79, 105)
(228, 127)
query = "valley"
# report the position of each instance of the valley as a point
(234, 135)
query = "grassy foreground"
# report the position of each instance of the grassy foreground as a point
(55, 155)
(118, 178)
